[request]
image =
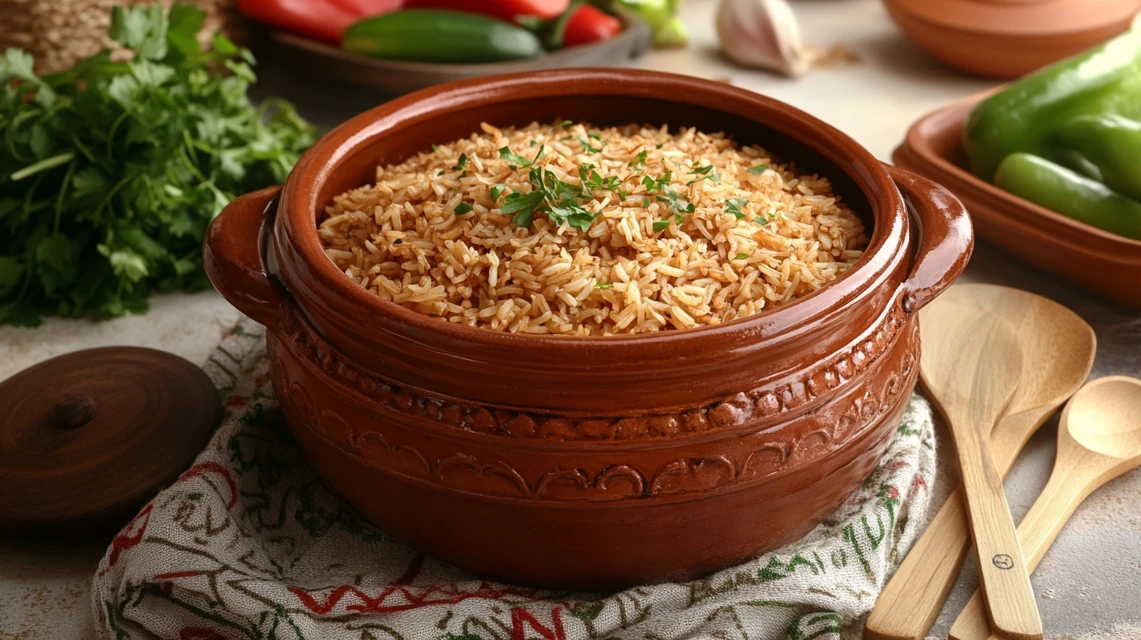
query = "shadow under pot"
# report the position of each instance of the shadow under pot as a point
(590, 462)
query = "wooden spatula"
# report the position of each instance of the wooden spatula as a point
(971, 367)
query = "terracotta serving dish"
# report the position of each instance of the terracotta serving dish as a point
(1009, 38)
(594, 462)
(322, 60)
(1097, 260)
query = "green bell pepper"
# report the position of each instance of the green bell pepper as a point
(1069, 193)
(660, 15)
(1110, 145)
(1025, 116)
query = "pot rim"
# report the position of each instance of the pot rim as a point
(299, 207)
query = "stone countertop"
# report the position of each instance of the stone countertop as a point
(1088, 582)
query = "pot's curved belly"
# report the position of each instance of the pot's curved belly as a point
(598, 503)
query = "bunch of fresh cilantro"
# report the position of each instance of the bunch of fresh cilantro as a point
(110, 172)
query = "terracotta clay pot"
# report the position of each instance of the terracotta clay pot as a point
(594, 462)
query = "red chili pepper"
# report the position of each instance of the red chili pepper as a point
(318, 19)
(368, 8)
(590, 24)
(503, 9)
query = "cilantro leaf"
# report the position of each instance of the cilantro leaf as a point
(496, 191)
(461, 163)
(587, 146)
(733, 206)
(516, 161)
(463, 208)
(111, 172)
(759, 169)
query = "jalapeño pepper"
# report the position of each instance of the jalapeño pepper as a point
(1069, 193)
(1110, 147)
(1025, 116)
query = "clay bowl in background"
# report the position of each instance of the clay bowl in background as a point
(593, 462)
(1004, 39)
(1089, 257)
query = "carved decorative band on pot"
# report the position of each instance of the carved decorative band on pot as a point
(604, 461)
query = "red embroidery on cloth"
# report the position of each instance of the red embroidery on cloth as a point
(235, 401)
(199, 469)
(131, 536)
(397, 598)
(411, 572)
(521, 616)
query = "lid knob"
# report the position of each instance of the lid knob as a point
(72, 410)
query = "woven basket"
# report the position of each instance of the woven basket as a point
(61, 32)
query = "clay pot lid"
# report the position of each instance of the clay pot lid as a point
(1023, 17)
(87, 437)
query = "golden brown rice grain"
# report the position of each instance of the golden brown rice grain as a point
(402, 240)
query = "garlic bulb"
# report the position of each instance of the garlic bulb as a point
(762, 33)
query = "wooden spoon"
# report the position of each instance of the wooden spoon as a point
(971, 367)
(1099, 439)
(1058, 349)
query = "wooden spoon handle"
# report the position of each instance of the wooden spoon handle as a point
(1062, 495)
(909, 603)
(1002, 571)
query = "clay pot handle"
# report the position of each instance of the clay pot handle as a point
(946, 238)
(233, 258)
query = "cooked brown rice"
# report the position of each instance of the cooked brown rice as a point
(759, 235)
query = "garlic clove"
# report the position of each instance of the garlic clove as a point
(764, 34)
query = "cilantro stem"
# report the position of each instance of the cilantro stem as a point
(42, 165)
(59, 198)
(111, 135)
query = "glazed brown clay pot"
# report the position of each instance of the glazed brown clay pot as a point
(594, 462)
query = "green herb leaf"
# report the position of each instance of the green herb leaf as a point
(564, 124)
(496, 191)
(603, 285)
(461, 163)
(111, 172)
(463, 208)
(639, 159)
(592, 180)
(704, 173)
(761, 220)
(587, 146)
(519, 201)
(661, 224)
(516, 161)
(740, 256)
(759, 169)
(733, 206)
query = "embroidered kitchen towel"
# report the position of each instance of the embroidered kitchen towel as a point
(250, 544)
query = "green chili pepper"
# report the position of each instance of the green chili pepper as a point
(1111, 145)
(1025, 116)
(1069, 193)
